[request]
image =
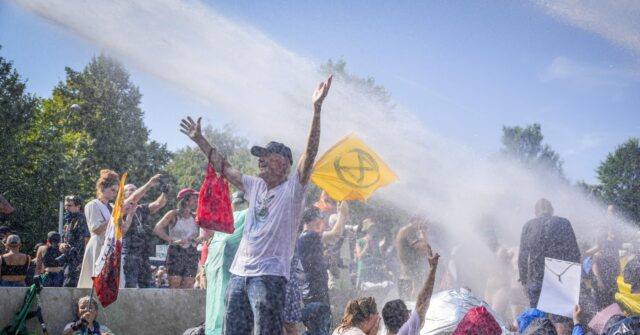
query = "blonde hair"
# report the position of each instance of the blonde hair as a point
(107, 178)
(357, 312)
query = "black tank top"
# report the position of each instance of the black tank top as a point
(49, 258)
(13, 270)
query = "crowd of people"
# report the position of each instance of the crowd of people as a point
(285, 265)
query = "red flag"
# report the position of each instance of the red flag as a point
(106, 273)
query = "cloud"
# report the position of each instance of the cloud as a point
(584, 74)
(615, 20)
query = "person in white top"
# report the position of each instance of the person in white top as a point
(98, 215)
(255, 294)
(360, 318)
(179, 228)
(396, 316)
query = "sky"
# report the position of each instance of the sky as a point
(464, 69)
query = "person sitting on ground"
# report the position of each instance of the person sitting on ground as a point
(13, 264)
(182, 255)
(360, 317)
(47, 261)
(276, 197)
(85, 322)
(395, 314)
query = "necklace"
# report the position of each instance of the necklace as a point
(561, 273)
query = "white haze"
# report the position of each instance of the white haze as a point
(266, 90)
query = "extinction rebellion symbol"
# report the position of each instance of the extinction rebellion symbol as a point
(364, 174)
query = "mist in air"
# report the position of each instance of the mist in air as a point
(266, 90)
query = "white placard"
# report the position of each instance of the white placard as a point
(560, 287)
(161, 251)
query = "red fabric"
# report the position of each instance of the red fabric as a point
(214, 203)
(107, 283)
(478, 321)
(205, 253)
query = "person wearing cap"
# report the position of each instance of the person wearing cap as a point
(315, 286)
(47, 261)
(178, 227)
(262, 263)
(135, 243)
(13, 264)
(221, 252)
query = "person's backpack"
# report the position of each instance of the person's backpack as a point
(214, 203)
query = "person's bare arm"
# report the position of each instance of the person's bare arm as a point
(161, 227)
(424, 297)
(360, 251)
(102, 228)
(39, 255)
(308, 157)
(193, 130)
(129, 211)
(158, 204)
(336, 231)
(139, 193)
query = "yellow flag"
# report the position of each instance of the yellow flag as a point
(350, 170)
(117, 208)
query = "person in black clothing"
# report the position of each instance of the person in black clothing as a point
(311, 253)
(75, 237)
(48, 261)
(135, 243)
(545, 236)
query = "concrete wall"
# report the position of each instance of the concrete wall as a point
(137, 311)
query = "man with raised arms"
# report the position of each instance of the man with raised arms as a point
(255, 294)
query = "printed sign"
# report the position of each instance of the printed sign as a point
(560, 287)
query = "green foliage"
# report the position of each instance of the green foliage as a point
(619, 176)
(110, 113)
(189, 164)
(366, 86)
(52, 149)
(525, 145)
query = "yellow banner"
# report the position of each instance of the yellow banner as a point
(118, 207)
(350, 170)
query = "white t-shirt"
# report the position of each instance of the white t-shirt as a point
(412, 326)
(270, 228)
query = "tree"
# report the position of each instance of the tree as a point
(189, 165)
(110, 113)
(619, 176)
(50, 149)
(525, 145)
(366, 86)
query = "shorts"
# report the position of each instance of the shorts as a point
(182, 262)
(292, 311)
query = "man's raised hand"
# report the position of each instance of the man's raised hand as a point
(191, 128)
(433, 259)
(321, 92)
